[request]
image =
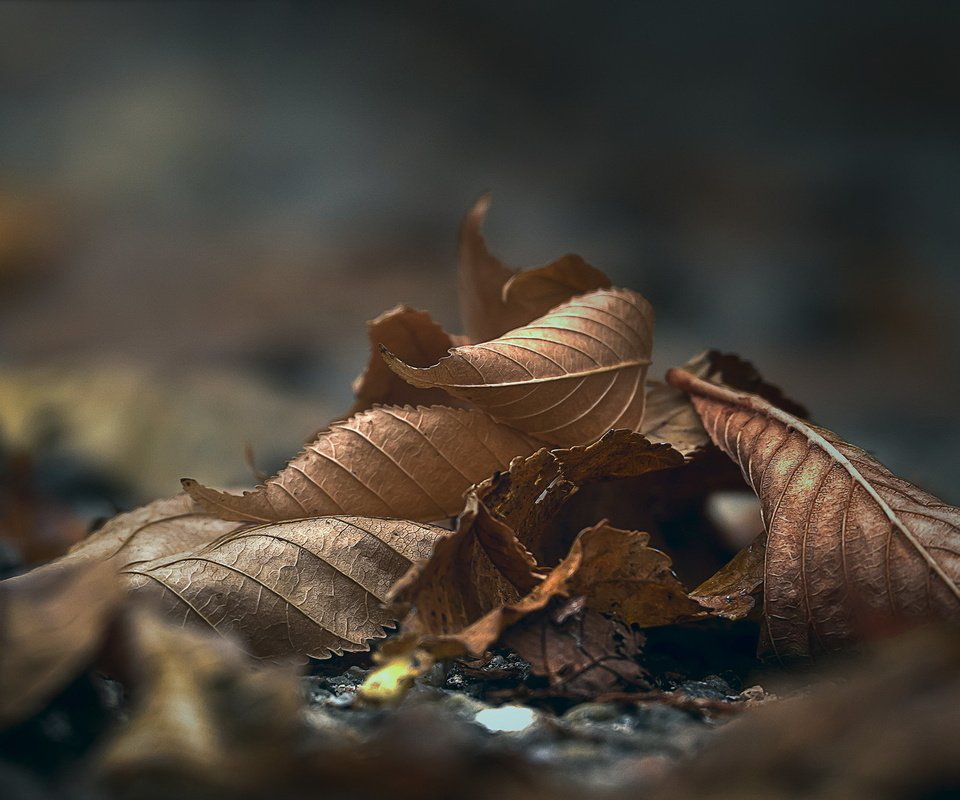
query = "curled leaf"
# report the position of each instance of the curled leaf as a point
(848, 543)
(565, 378)
(312, 586)
(409, 463)
(495, 299)
(415, 338)
(669, 416)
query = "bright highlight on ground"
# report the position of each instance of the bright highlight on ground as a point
(506, 719)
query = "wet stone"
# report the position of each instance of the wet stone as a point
(713, 687)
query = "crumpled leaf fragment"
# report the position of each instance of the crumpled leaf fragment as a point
(621, 574)
(408, 463)
(531, 493)
(495, 299)
(581, 652)
(566, 377)
(413, 336)
(487, 574)
(308, 587)
(670, 417)
(204, 723)
(53, 621)
(732, 592)
(848, 543)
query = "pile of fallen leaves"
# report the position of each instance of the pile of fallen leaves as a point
(522, 486)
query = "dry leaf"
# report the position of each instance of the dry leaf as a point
(847, 541)
(409, 463)
(52, 622)
(581, 652)
(486, 575)
(621, 574)
(55, 616)
(495, 299)
(530, 494)
(566, 378)
(669, 416)
(160, 528)
(204, 723)
(312, 586)
(413, 336)
(732, 591)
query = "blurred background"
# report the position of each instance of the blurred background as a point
(202, 203)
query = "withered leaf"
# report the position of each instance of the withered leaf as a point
(565, 378)
(846, 539)
(621, 574)
(531, 493)
(486, 574)
(581, 652)
(52, 622)
(732, 591)
(160, 528)
(413, 336)
(669, 416)
(203, 723)
(495, 299)
(309, 587)
(409, 463)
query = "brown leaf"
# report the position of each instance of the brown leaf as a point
(312, 586)
(566, 378)
(413, 336)
(160, 528)
(531, 493)
(409, 463)
(581, 652)
(204, 723)
(846, 540)
(669, 416)
(731, 592)
(56, 615)
(621, 574)
(495, 299)
(52, 622)
(479, 579)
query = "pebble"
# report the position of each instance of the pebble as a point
(506, 719)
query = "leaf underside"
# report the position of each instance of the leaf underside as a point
(415, 338)
(848, 543)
